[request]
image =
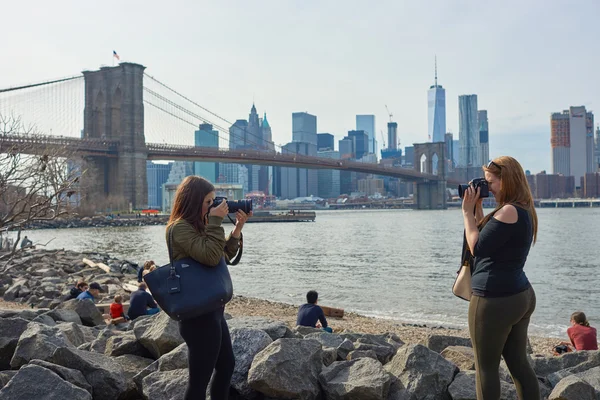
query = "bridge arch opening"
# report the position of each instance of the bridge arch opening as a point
(423, 164)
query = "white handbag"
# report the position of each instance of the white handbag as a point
(462, 284)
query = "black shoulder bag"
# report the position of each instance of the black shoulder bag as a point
(186, 289)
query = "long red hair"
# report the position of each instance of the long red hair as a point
(515, 188)
(188, 201)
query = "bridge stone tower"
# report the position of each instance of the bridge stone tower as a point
(430, 195)
(114, 110)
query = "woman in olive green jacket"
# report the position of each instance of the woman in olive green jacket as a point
(197, 233)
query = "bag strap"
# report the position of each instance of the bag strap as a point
(238, 256)
(172, 271)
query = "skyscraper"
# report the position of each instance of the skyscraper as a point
(366, 123)
(238, 134)
(206, 136)
(572, 141)
(361, 143)
(597, 150)
(325, 142)
(304, 128)
(468, 131)
(157, 175)
(267, 135)
(254, 129)
(484, 145)
(392, 135)
(436, 111)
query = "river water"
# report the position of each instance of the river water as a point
(396, 264)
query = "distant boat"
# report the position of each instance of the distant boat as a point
(289, 216)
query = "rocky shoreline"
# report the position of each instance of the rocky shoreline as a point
(98, 222)
(69, 351)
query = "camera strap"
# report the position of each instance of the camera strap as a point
(238, 256)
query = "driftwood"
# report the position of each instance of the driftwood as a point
(92, 264)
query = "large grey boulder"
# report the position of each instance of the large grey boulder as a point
(19, 285)
(288, 369)
(463, 357)
(438, 343)
(423, 372)
(464, 388)
(44, 319)
(138, 378)
(104, 374)
(573, 388)
(246, 344)
(132, 364)
(119, 345)
(363, 379)
(86, 309)
(326, 339)
(169, 385)
(68, 374)
(38, 341)
(6, 376)
(73, 332)
(10, 332)
(275, 329)
(159, 334)
(591, 376)
(592, 362)
(64, 315)
(344, 349)
(545, 366)
(35, 382)
(384, 353)
(175, 359)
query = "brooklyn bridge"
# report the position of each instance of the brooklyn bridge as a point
(119, 106)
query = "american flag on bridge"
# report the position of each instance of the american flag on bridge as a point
(115, 55)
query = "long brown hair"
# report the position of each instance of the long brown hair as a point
(515, 188)
(580, 318)
(188, 201)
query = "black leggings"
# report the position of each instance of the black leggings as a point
(498, 327)
(209, 347)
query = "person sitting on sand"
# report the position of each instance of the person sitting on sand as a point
(141, 303)
(582, 335)
(92, 292)
(26, 243)
(310, 313)
(77, 290)
(117, 314)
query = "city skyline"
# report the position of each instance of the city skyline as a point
(513, 70)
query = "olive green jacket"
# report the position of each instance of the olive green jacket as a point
(208, 247)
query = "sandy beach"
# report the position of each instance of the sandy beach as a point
(409, 333)
(352, 322)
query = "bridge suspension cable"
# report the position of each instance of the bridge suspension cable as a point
(192, 114)
(259, 141)
(32, 85)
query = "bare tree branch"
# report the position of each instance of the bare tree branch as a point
(35, 184)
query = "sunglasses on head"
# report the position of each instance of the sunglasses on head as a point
(492, 163)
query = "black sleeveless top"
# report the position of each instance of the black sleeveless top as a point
(500, 255)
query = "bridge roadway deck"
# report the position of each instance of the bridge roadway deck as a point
(42, 144)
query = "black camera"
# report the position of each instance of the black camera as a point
(234, 205)
(481, 183)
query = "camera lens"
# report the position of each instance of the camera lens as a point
(461, 190)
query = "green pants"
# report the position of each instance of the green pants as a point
(498, 327)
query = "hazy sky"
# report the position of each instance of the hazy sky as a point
(334, 59)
